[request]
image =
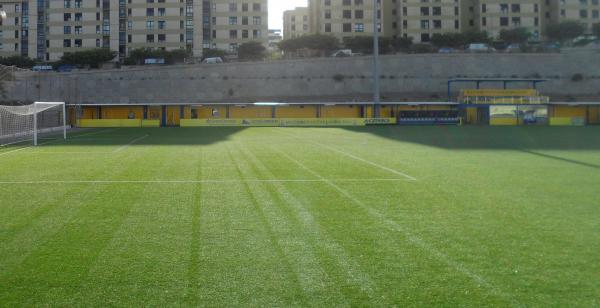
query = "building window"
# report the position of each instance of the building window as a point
(347, 27)
(256, 20)
(150, 38)
(256, 7)
(233, 34)
(67, 43)
(359, 27)
(233, 7)
(67, 29)
(232, 20)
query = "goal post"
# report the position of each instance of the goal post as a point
(29, 122)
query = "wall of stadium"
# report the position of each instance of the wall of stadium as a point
(571, 76)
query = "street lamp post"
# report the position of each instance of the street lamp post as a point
(376, 89)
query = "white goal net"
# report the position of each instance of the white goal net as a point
(31, 122)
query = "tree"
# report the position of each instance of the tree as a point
(564, 31)
(364, 44)
(91, 57)
(515, 36)
(139, 55)
(471, 37)
(448, 40)
(18, 61)
(596, 30)
(251, 51)
(317, 42)
(213, 53)
(402, 43)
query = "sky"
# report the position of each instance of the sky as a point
(276, 8)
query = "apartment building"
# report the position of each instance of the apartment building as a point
(125, 25)
(18, 32)
(421, 19)
(584, 11)
(236, 22)
(296, 22)
(493, 16)
(347, 18)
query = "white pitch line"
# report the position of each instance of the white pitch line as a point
(396, 172)
(415, 240)
(29, 146)
(200, 181)
(130, 143)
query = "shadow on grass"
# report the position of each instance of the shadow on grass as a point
(489, 137)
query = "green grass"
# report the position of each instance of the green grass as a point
(377, 216)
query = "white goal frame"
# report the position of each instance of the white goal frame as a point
(64, 119)
(31, 114)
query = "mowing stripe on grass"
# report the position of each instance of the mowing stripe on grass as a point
(352, 271)
(415, 240)
(129, 144)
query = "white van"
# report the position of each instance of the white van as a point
(216, 60)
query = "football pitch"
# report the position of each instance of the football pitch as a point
(372, 216)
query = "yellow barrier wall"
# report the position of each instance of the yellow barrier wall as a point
(206, 112)
(273, 122)
(250, 112)
(594, 115)
(292, 112)
(118, 112)
(89, 113)
(500, 92)
(568, 111)
(341, 111)
(97, 123)
(173, 115)
(150, 123)
(154, 113)
(567, 121)
(503, 121)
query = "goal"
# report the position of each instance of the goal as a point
(30, 122)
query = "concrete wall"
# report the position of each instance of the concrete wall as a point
(405, 78)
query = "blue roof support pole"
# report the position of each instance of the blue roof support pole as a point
(181, 112)
(449, 90)
(146, 112)
(505, 84)
(163, 118)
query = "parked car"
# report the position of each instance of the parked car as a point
(480, 48)
(42, 68)
(447, 50)
(342, 53)
(513, 48)
(215, 60)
